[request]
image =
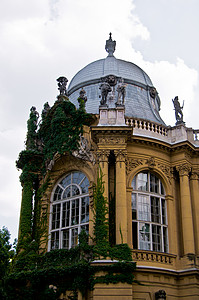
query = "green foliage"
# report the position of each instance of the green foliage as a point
(46, 276)
(6, 255)
(100, 212)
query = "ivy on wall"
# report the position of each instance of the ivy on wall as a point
(59, 131)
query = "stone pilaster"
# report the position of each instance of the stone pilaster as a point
(103, 163)
(194, 184)
(121, 201)
(186, 209)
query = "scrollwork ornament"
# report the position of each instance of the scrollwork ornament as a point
(132, 163)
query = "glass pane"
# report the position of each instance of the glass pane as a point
(142, 181)
(86, 228)
(144, 236)
(162, 189)
(156, 238)
(85, 210)
(155, 209)
(135, 235)
(143, 207)
(66, 181)
(84, 186)
(75, 212)
(65, 239)
(77, 177)
(165, 239)
(134, 207)
(67, 193)
(164, 220)
(74, 237)
(57, 194)
(54, 240)
(133, 183)
(65, 214)
(56, 216)
(154, 184)
(75, 190)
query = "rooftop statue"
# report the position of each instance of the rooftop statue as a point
(82, 99)
(121, 89)
(110, 45)
(62, 82)
(105, 89)
(178, 111)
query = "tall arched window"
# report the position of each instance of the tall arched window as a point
(69, 210)
(149, 213)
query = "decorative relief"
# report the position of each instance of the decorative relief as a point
(166, 170)
(112, 140)
(132, 163)
(84, 151)
(151, 162)
(184, 169)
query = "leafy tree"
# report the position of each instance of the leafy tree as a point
(6, 255)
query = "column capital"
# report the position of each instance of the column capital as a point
(194, 174)
(102, 155)
(184, 169)
(120, 155)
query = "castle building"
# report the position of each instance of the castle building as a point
(150, 173)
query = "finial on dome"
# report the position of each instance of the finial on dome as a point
(110, 45)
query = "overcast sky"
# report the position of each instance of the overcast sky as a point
(43, 39)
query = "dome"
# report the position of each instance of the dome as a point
(141, 99)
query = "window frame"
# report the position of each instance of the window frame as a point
(78, 208)
(153, 192)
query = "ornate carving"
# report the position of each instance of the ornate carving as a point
(120, 155)
(84, 151)
(184, 169)
(153, 92)
(111, 140)
(112, 80)
(62, 82)
(102, 156)
(151, 162)
(194, 174)
(132, 163)
(160, 295)
(166, 170)
(110, 45)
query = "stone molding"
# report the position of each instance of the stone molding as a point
(120, 155)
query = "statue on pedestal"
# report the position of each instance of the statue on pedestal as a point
(178, 111)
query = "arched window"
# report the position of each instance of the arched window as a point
(69, 211)
(149, 213)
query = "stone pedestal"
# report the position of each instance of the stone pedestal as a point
(112, 116)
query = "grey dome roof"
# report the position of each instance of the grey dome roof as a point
(110, 66)
(139, 103)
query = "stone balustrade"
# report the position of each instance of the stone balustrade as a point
(156, 257)
(146, 125)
